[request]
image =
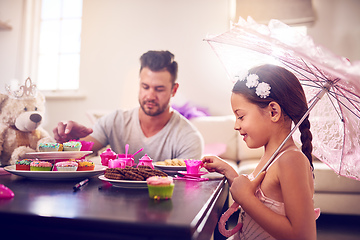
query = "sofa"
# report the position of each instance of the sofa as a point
(334, 194)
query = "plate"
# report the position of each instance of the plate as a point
(57, 155)
(199, 174)
(56, 175)
(124, 183)
(170, 168)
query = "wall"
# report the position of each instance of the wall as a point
(115, 34)
(337, 27)
(10, 40)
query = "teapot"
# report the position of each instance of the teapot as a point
(106, 156)
(146, 161)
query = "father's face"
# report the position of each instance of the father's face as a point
(155, 92)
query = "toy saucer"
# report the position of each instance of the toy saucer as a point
(199, 174)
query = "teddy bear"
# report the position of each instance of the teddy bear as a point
(21, 113)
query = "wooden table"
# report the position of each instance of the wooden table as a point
(51, 208)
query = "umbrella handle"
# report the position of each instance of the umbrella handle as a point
(225, 217)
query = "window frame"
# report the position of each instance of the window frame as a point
(30, 51)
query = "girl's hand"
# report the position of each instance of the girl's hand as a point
(216, 164)
(243, 188)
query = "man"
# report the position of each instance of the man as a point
(154, 126)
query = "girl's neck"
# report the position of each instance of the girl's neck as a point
(271, 148)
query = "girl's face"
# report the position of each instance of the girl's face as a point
(252, 122)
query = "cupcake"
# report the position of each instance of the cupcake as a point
(72, 146)
(61, 148)
(49, 147)
(23, 164)
(40, 166)
(66, 166)
(85, 165)
(160, 187)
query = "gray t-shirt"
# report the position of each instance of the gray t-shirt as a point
(178, 139)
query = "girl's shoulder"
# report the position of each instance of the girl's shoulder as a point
(293, 162)
(292, 156)
(285, 156)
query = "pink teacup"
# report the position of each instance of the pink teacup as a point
(86, 146)
(116, 163)
(193, 166)
(145, 161)
(129, 160)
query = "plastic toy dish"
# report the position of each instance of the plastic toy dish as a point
(56, 175)
(124, 183)
(57, 155)
(170, 168)
(198, 174)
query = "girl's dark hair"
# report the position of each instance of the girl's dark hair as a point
(158, 61)
(287, 91)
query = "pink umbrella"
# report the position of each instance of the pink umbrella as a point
(335, 121)
(330, 82)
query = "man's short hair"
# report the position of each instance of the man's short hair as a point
(158, 61)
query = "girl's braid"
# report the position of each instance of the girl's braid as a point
(306, 138)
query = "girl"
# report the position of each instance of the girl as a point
(278, 204)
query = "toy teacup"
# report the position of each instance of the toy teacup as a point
(117, 163)
(193, 166)
(129, 159)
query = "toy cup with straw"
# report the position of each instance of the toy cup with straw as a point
(127, 158)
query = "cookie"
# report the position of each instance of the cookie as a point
(115, 176)
(157, 172)
(168, 162)
(172, 162)
(134, 176)
(146, 174)
(141, 167)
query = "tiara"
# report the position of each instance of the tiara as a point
(28, 90)
(252, 81)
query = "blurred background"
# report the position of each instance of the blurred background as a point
(98, 44)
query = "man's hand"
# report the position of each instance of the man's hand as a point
(66, 131)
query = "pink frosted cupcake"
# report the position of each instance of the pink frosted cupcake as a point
(40, 166)
(66, 166)
(160, 187)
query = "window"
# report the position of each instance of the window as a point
(58, 55)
